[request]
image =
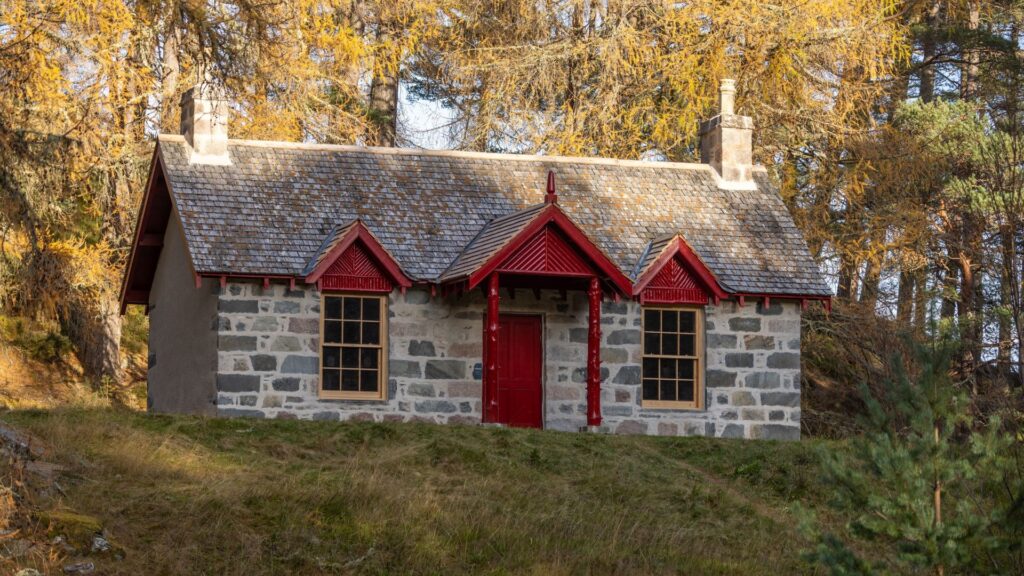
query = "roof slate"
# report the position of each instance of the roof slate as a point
(269, 211)
(492, 237)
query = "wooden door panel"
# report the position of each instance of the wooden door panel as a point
(520, 369)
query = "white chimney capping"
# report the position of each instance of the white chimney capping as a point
(204, 124)
(726, 142)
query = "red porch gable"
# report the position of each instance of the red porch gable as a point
(540, 242)
(353, 259)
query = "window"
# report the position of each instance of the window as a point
(352, 359)
(673, 350)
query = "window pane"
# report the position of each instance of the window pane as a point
(371, 332)
(351, 333)
(350, 380)
(332, 357)
(371, 309)
(668, 390)
(352, 308)
(350, 357)
(650, 389)
(332, 307)
(686, 369)
(686, 391)
(368, 357)
(331, 380)
(332, 331)
(669, 344)
(669, 320)
(688, 322)
(652, 343)
(652, 320)
(650, 367)
(687, 345)
(368, 380)
(668, 368)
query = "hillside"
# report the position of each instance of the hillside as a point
(179, 495)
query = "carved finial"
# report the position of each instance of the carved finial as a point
(727, 97)
(551, 197)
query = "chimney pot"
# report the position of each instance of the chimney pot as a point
(726, 141)
(204, 123)
(727, 97)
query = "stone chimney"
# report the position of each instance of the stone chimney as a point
(204, 123)
(725, 141)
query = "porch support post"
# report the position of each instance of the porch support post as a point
(490, 381)
(594, 354)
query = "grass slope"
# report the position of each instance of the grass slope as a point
(185, 495)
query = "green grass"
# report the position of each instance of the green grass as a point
(185, 495)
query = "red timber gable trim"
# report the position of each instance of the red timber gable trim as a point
(147, 243)
(358, 262)
(552, 245)
(678, 276)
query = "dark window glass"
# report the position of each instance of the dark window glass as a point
(350, 380)
(350, 334)
(331, 380)
(669, 344)
(652, 320)
(352, 308)
(368, 380)
(686, 390)
(331, 357)
(687, 345)
(368, 358)
(332, 331)
(332, 307)
(371, 309)
(352, 339)
(650, 389)
(650, 367)
(371, 332)
(668, 390)
(686, 369)
(688, 322)
(652, 343)
(669, 321)
(670, 363)
(668, 368)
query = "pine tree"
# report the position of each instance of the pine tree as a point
(925, 487)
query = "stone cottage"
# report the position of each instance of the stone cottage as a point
(287, 280)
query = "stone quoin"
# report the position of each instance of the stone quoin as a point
(346, 283)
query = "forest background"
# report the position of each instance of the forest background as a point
(893, 128)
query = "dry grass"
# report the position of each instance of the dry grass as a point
(194, 496)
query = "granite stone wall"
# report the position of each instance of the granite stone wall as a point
(268, 363)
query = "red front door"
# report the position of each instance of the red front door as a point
(520, 366)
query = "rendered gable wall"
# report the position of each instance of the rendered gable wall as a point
(182, 333)
(268, 363)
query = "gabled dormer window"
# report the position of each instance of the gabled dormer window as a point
(353, 357)
(673, 357)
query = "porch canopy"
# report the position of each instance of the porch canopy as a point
(537, 247)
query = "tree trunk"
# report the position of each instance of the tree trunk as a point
(969, 72)
(169, 80)
(904, 297)
(927, 74)
(95, 328)
(384, 97)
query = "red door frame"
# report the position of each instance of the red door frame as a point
(504, 406)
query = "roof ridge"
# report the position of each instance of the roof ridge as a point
(461, 154)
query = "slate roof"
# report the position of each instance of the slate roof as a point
(492, 237)
(269, 211)
(651, 253)
(336, 234)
